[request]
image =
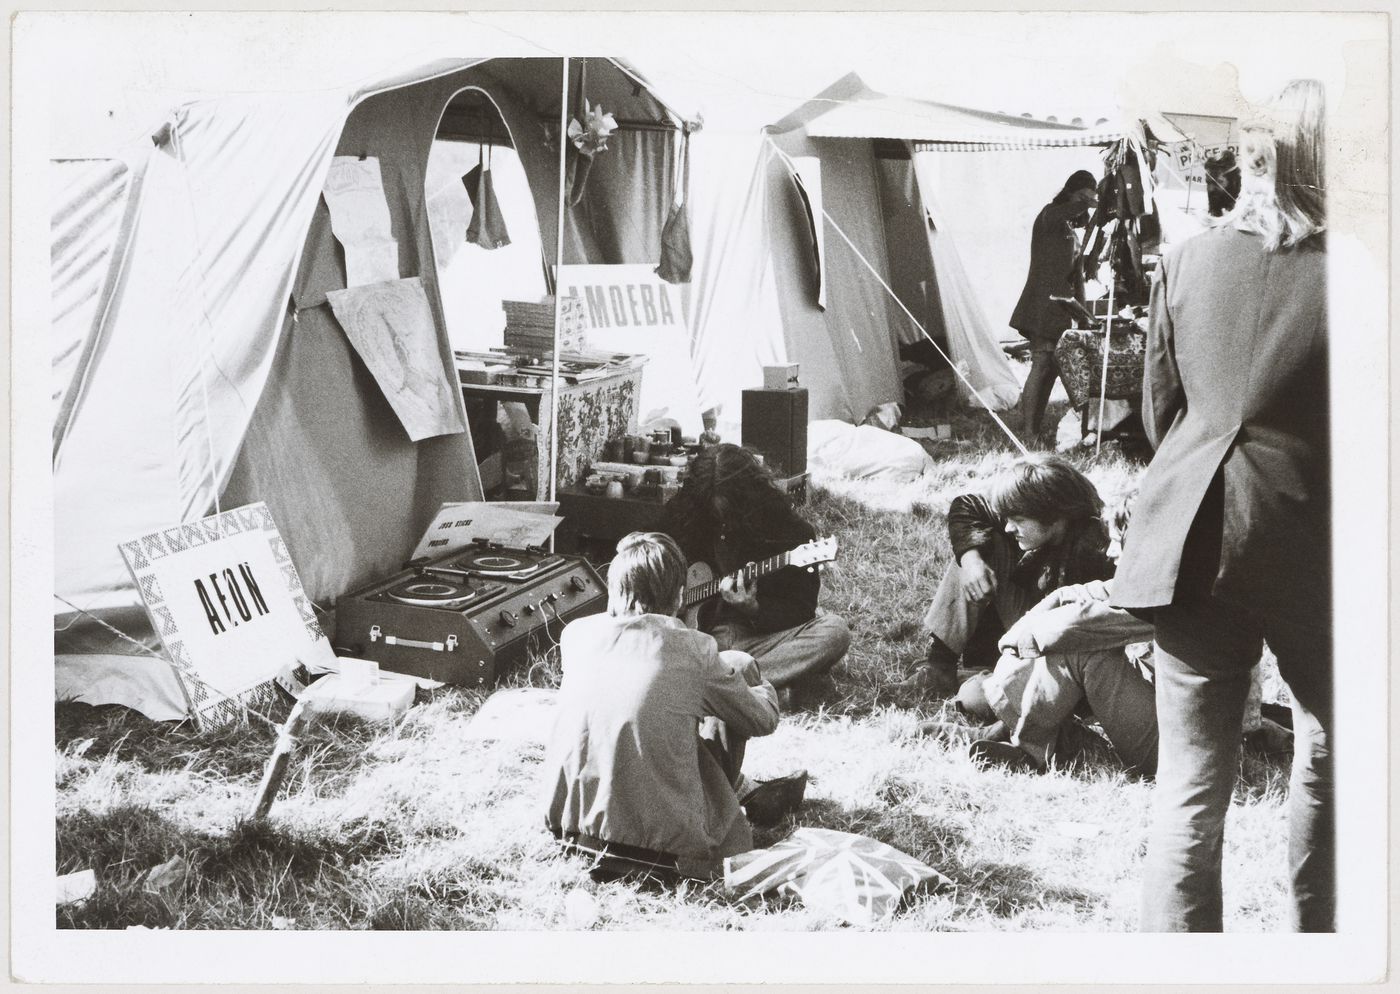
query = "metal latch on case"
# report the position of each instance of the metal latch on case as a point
(376, 633)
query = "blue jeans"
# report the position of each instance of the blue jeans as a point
(1205, 650)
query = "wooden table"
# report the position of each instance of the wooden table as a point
(589, 413)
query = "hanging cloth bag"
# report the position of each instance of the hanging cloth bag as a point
(488, 227)
(676, 257)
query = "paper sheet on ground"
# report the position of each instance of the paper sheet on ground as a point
(354, 194)
(522, 715)
(457, 525)
(228, 604)
(391, 326)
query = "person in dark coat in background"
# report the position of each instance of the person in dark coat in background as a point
(729, 513)
(1222, 182)
(1054, 271)
(1230, 542)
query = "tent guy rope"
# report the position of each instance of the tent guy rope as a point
(165, 659)
(957, 368)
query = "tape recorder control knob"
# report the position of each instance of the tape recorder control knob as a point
(552, 597)
(578, 583)
(508, 618)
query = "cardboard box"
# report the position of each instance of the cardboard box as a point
(379, 700)
(782, 377)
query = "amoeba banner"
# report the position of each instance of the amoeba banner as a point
(631, 309)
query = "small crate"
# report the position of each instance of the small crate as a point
(1080, 357)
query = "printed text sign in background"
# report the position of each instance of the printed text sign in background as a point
(631, 309)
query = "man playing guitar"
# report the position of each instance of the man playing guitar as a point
(730, 513)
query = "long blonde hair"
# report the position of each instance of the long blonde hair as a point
(1282, 188)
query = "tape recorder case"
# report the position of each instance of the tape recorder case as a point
(467, 617)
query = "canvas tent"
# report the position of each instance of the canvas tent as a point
(198, 367)
(824, 238)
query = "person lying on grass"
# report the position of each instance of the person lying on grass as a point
(1037, 528)
(642, 772)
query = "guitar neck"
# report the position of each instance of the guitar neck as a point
(753, 571)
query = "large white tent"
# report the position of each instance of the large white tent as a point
(197, 365)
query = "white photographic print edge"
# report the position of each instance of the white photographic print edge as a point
(1340, 48)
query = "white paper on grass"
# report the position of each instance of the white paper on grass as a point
(457, 525)
(391, 326)
(354, 194)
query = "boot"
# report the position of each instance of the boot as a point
(955, 732)
(936, 675)
(1004, 754)
(772, 800)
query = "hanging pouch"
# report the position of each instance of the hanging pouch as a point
(676, 257)
(488, 227)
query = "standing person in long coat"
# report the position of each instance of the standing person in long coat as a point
(1230, 542)
(1054, 271)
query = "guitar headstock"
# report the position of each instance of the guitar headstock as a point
(823, 550)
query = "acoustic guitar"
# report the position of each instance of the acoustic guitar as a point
(701, 583)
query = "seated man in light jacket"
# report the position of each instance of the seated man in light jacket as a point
(1072, 648)
(643, 769)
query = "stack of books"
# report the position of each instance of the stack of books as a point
(530, 325)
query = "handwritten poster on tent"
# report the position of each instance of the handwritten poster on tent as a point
(354, 195)
(631, 309)
(227, 603)
(391, 326)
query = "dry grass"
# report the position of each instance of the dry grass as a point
(424, 827)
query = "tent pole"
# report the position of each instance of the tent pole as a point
(558, 265)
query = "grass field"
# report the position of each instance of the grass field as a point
(423, 826)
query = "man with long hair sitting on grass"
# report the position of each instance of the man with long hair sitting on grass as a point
(1036, 528)
(642, 772)
(728, 513)
(1069, 651)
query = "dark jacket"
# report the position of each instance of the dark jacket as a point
(1235, 399)
(973, 524)
(1052, 271)
(787, 598)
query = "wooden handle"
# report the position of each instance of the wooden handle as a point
(279, 761)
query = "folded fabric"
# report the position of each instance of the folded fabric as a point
(864, 452)
(857, 879)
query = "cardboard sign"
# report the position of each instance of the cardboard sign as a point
(516, 525)
(631, 309)
(226, 601)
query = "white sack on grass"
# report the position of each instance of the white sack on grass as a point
(864, 452)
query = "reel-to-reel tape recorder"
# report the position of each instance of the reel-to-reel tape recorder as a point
(466, 617)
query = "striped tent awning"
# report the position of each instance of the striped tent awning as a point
(947, 127)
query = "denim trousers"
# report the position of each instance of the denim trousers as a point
(1117, 690)
(1205, 651)
(792, 655)
(953, 618)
